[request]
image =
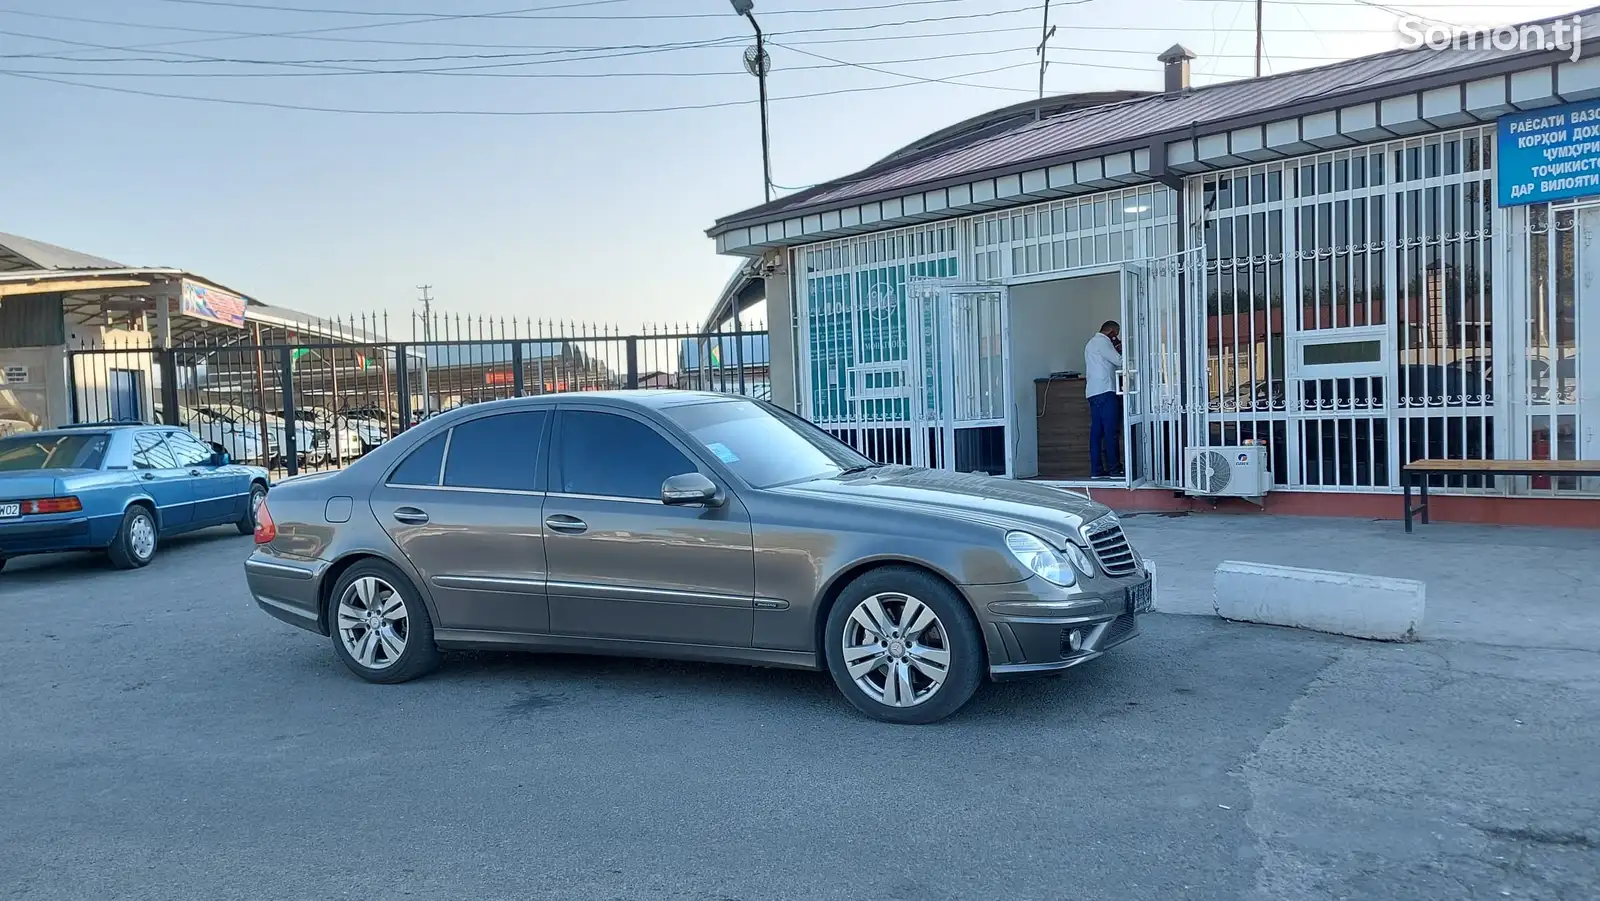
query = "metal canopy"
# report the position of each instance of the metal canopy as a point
(99, 291)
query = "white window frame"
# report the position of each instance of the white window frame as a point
(1298, 341)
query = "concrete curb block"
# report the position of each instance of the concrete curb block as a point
(1339, 603)
(1155, 587)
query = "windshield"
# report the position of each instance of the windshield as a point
(764, 445)
(24, 453)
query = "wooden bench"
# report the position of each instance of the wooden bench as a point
(1416, 474)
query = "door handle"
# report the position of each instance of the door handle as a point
(410, 515)
(194, 472)
(149, 477)
(570, 525)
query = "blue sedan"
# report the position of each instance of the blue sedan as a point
(118, 488)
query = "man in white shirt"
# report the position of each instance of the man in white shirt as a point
(1102, 357)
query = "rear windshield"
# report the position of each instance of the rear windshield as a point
(21, 453)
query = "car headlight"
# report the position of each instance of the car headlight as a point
(1040, 558)
(1080, 559)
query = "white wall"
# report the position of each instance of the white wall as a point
(91, 371)
(1050, 322)
(781, 337)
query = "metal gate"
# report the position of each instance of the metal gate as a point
(1163, 404)
(961, 376)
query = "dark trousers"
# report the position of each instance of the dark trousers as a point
(1105, 428)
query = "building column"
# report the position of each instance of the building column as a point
(781, 333)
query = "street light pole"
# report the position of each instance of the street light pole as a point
(427, 340)
(758, 67)
(1047, 32)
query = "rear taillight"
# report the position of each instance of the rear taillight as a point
(266, 529)
(52, 505)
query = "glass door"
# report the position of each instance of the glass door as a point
(1131, 378)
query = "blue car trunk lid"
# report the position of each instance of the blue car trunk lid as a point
(28, 485)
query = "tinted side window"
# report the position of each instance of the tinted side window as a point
(188, 450)
(498, 452)
(613, 456)
(422, 466)
(150, 452)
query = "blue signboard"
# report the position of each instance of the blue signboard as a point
(1549, 154)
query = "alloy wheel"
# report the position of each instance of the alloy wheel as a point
(896, 649)
(373, 622)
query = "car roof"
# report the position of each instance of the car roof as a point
(650, 398)
(78, 428)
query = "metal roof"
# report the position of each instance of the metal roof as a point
(745, 288)
(17, 252)
(1122, 124)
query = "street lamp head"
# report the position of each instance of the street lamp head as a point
(743, 7)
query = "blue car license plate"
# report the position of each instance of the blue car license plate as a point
(8, 511)
(1140, 598)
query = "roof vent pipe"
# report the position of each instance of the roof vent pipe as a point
(1176, 60)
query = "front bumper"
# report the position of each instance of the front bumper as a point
(1036, 628)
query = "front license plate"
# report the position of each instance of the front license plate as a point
(1140, 598)
(9, 510)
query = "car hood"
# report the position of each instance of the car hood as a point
(1005, 503)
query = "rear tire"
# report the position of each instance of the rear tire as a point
(135, 543)
(379, 624)
(258, 493)
(904, 647)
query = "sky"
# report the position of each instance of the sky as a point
(533, 167)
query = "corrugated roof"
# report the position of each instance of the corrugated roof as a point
(1121, 123)
(26, 253)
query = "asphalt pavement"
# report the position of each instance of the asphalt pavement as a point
(161, 738)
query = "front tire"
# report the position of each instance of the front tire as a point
(379, 624)
(258, 493)
(904, 647)
(135, 543)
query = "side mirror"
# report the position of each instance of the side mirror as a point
(690, 489)
(220, 458)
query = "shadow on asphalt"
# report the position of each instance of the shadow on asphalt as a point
(43, 569)
(1152, 672)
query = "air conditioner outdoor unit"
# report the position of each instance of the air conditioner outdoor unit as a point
(1227, 472)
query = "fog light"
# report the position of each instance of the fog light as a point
(1071, 641)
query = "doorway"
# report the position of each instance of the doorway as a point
(124, 389)
(1051, 323)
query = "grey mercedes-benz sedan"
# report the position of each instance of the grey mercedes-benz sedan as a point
(697, 526)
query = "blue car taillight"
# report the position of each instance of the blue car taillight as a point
(45, 505)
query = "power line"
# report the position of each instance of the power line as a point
(234, 101)
(321, 34)
(873, 68)
(1347, 3)
(455, 71)
(475, 71)
(1398, 11)
(312, 33)
(195, 58)
(899, 4)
